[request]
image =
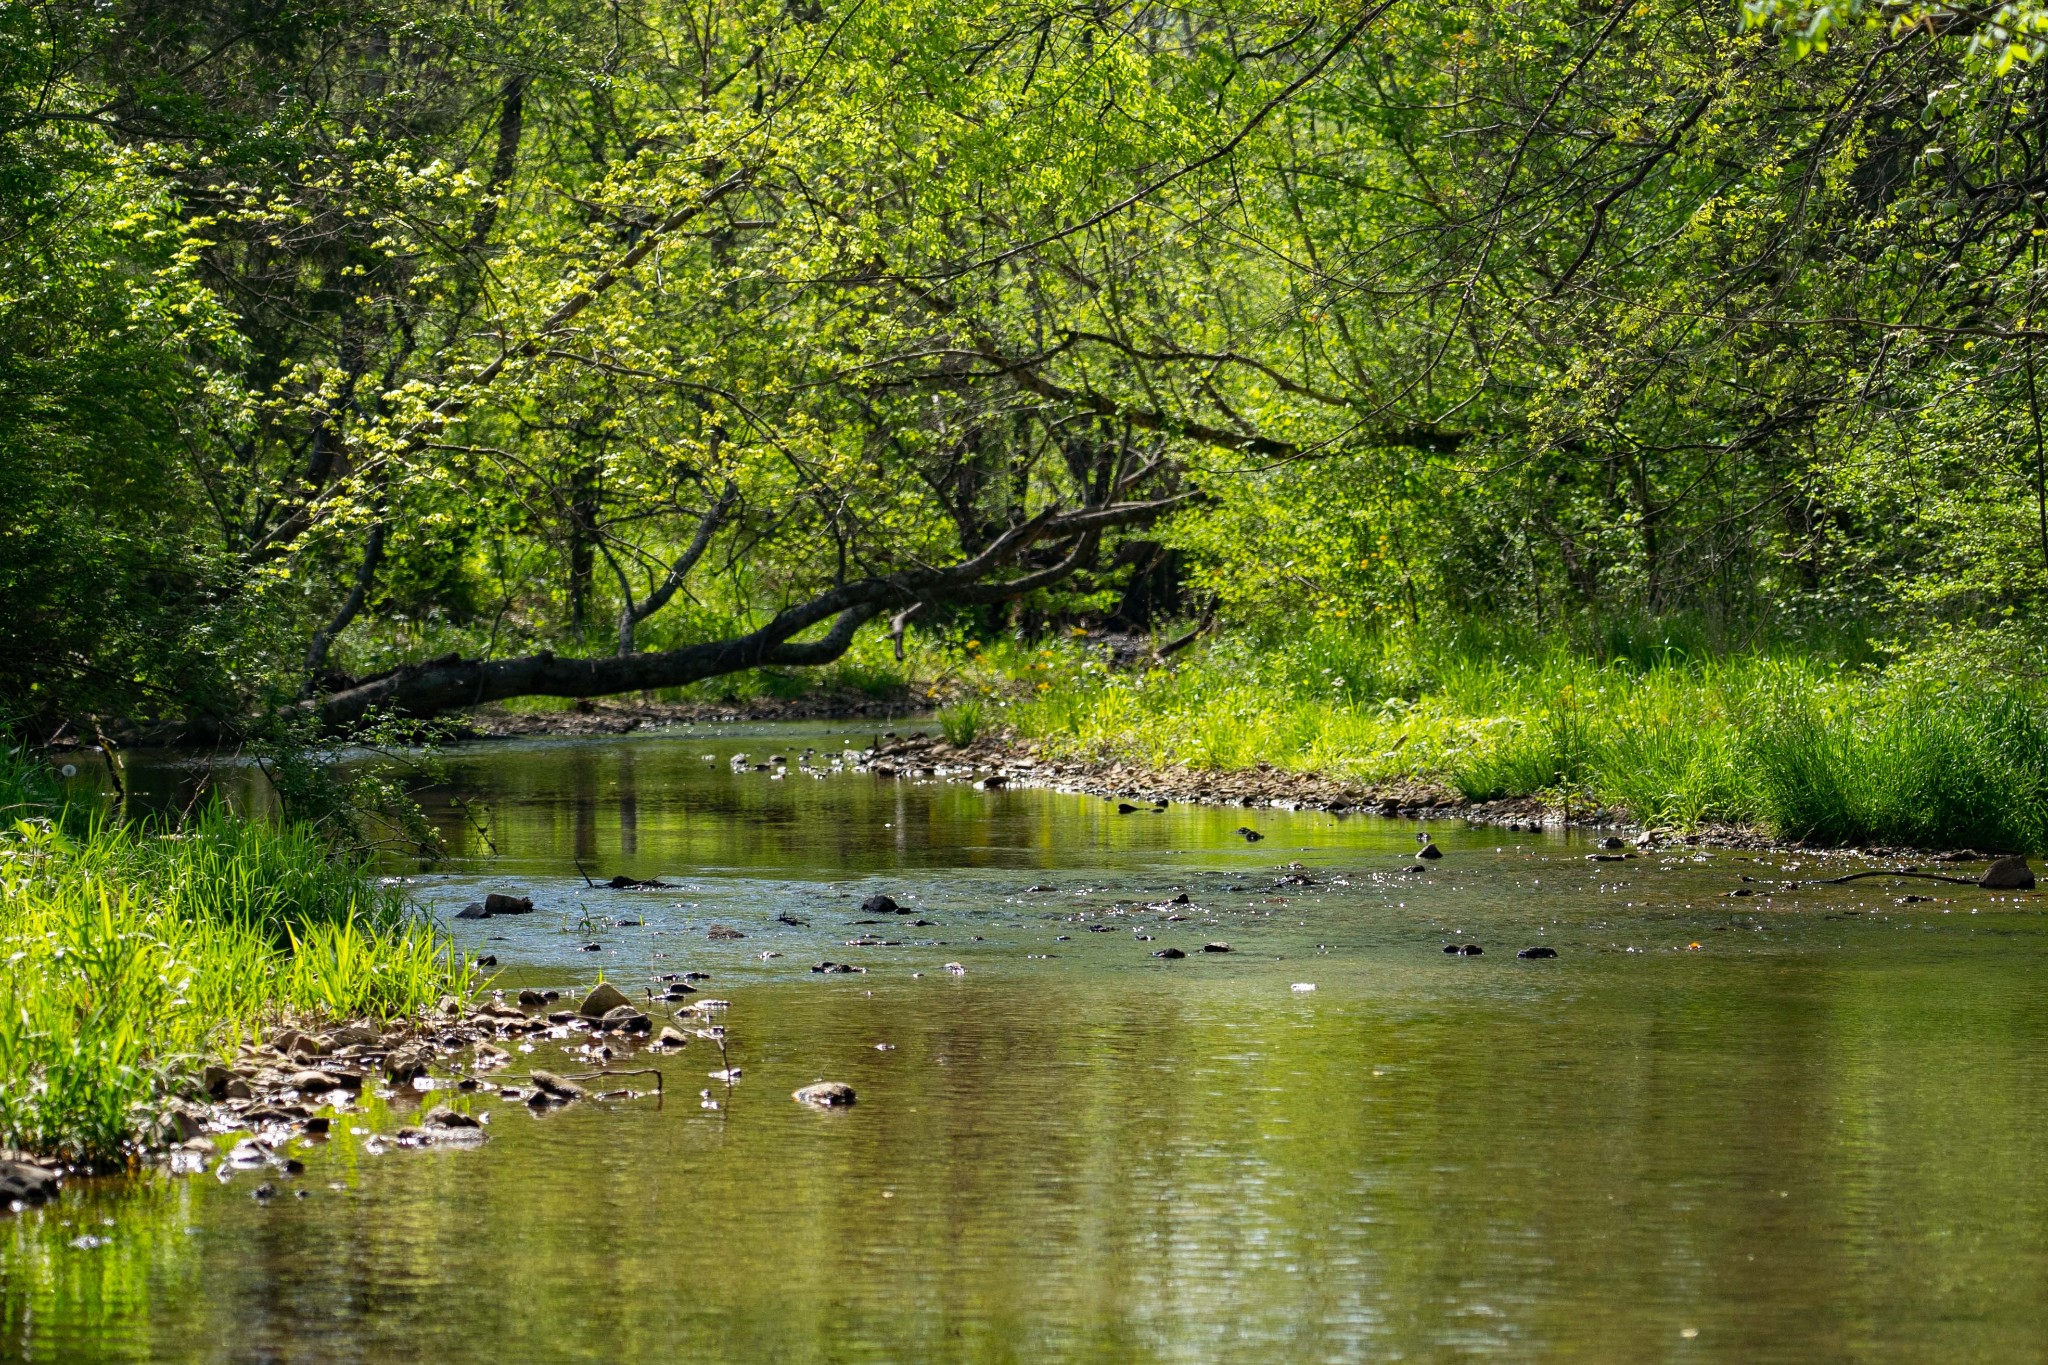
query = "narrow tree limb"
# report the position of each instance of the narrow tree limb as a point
(630, 616)
(358, 593)
(901, 622)
(1175, 646)
(1891, 872)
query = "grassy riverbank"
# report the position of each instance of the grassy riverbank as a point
(1815, 743)
(135, 954)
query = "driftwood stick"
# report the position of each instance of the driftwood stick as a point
(608, 1071)
(1890, 872)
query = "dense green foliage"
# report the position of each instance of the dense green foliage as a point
(334, 337)
(135, 954)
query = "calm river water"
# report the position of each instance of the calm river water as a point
(1820, 1135)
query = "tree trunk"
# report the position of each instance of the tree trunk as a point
(428, 689)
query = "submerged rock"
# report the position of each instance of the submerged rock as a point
(24, 1182)
(2008, 874)
(602, 1000)
(1251, 836)
(317, 1082)
(880, 905)
(723, 932)
(474, 910)
(551, 1088)
(1429, 851)
(825, 1094)
(627, 1018)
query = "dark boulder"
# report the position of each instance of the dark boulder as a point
(602, 1000)
(1538, 951)
(1430, 852)
(1172, 953)
(474, 910)
(626, 1018)
(880, 905)
(2008, 874)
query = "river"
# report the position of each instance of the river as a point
(1802, 1126)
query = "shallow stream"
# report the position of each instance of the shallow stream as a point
(1802, 1126)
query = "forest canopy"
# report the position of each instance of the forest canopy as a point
(409, 354)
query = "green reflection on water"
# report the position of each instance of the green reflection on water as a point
(1820, 1139)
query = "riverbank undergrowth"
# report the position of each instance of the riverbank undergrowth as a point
(136, 953)
(1817, 743)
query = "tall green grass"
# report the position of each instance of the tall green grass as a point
(1813, 740)
(132, 955)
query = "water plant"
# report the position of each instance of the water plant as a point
(963, 722)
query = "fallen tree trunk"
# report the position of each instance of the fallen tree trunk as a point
(429, 689)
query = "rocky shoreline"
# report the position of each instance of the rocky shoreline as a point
(1013, 761)
(1003, 761)
(294, 1085)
